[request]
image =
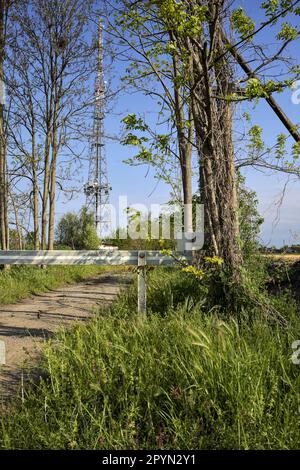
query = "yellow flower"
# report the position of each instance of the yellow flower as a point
(214, 260)
(198, 273)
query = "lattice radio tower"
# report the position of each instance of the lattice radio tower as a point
(97, 188)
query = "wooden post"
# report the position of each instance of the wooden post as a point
(2, 353)
(142, 291)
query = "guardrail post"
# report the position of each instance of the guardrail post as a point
(2, 353)
(142, 292)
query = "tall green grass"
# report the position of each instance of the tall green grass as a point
(182, 380)
(22, 281)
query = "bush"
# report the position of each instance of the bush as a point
(77, 231)
(89, 239)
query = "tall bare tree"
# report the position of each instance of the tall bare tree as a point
(52, 61)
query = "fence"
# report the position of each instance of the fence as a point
(141, 259)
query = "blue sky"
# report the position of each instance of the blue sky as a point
(282, 224)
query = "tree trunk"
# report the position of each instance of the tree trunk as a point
(213, 124)
(52, 193)
(17, 221)
(185, 148)
(35, 196)
(52, 190)
(45, 190)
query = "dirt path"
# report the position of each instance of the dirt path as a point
(25, 325)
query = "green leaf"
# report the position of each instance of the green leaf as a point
(256, 142)
(288, 32)
(242, 23)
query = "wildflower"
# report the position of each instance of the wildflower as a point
(214, 260)
(198, 273)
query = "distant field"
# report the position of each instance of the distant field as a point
(285, 256)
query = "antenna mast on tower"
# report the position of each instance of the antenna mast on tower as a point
(97, 188)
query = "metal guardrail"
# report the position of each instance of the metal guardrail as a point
(141, 259)
(84, 257)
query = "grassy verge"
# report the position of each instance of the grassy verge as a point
(179, 379)
(22, 281)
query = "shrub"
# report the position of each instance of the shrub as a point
(77, 231)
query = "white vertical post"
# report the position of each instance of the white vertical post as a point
(2, 353)
(142, 293)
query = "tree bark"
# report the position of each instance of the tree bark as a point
(52, 191)
(55, 148)
(213, 124)
(35, 195)
(45, 190)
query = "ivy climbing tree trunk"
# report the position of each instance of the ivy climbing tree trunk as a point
(213, 124)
